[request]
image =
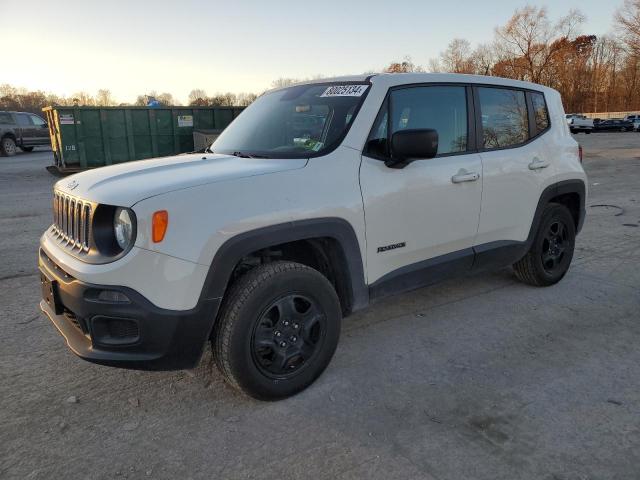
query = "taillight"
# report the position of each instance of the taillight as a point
(580, 153)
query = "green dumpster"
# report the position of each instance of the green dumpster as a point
(89, 137)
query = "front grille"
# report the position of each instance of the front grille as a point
(72, 221)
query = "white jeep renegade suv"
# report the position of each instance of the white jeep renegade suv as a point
(318, 199)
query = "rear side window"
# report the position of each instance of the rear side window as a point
(540, 113)
(5, 117)
(23, 120)
(505, 121)
(441, 108)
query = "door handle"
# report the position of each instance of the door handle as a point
(464, 176)
(537, 164)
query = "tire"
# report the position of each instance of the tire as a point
(548, 260)
(623, 129)
(7, 147)
(588, 132)
(573, 130)
(277, 330)
(26, 149)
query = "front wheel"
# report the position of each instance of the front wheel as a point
(549, 257)
(7, 147)
(277, 330)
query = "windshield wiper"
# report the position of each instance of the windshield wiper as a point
(247, 155)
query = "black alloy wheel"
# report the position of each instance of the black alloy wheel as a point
(551, 251)
(277, 329)
(554, 246)
(288, 334)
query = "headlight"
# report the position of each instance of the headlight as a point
(123, 227)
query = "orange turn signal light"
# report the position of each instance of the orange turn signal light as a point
(159, 225)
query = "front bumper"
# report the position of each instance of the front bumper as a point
(131, 333)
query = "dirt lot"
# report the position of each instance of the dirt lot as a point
(479, 378)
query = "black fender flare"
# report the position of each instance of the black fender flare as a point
(552, 191)
(237, 247)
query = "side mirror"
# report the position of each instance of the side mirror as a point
(410, 145)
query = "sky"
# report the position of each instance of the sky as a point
(132, 47)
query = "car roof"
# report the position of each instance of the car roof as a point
(395, 79)
(14, 111)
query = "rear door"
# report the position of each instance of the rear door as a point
(429, 208)
(27, 129)
(517, 161)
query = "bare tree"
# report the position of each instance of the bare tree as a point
(526, 44)
(244, 99)
(167, 100)
(104, 98)
(627, 19)
(405, 66)
(83, 99)
(483, 59)
(197, 97)
(284, 82)
(457, 57)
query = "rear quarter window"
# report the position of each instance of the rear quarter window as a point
(540, 112)
(5, 117)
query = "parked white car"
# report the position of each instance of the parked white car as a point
(318, 199)
(579, 123)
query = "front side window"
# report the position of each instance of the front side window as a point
(540, 113)
(440, 108)
(295, 122)
(37, 121)
(504, 117)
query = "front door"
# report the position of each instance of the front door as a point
(428, 211)
(41, 130)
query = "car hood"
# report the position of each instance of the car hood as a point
(127, 183)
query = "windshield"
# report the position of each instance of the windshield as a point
(296, 122)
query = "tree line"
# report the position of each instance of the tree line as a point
(592, 73)
(21, 99)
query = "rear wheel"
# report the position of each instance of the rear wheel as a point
(7, 147)
(26, 149)
(550, 254)
(277, 330)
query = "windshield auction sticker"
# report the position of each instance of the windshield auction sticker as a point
(345, 91)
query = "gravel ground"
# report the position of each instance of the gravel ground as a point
(477, 378)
